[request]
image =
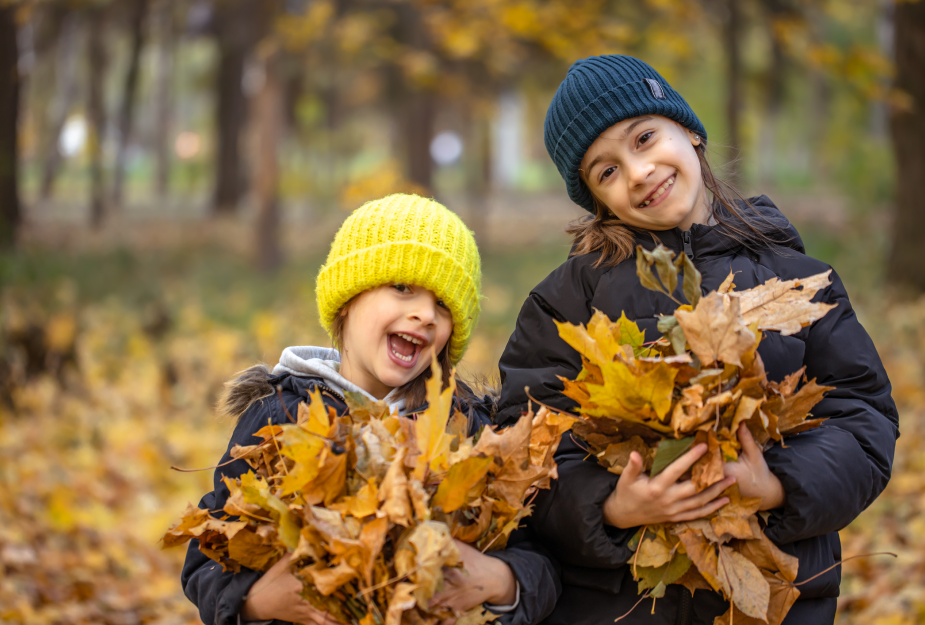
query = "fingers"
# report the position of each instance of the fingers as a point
(633, 468)
(679, 467)
(749, 446)
(696, 500)
(702, 511)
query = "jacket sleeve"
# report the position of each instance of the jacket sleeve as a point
(834, 472)
(568, 517)
(220, 595)
(537, 573)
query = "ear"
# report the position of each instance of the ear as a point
(695, 138)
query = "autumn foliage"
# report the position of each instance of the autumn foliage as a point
(697, 384)
(368, 504)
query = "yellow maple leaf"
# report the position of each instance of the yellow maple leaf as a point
(433, 442)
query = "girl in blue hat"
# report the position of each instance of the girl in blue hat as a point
(633, 154)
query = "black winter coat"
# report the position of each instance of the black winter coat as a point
(220, 595)
(829, 474)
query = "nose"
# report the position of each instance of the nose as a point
(638, 171)
(424, 309)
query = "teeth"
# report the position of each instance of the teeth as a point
(410, 338)
(659, 191)
(400, 357)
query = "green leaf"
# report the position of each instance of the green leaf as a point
(678, 340)
(668, 573)
(668, 451)
(634, 541)
(692, 278)
(666, 323)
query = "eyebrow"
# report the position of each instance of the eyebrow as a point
(623, 137)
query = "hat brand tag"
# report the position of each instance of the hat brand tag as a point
(656, 89)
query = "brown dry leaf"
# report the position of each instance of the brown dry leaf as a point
(363, 504)
(785, 306)
(743, 583)
(453, 491)
(401, 601)
(733, 518)
(196, 521)
(701, 552)
(329, 579)
(433, 549)
(617, 455)
(470, 533)
(654, 550)
(783, 595)
(693, 580)
(548, 428)
(766, 555)
(328, 484)
(477, 616)
(716, 331)
(727, 286)
(795, 408)
(255, 550)
(394, 491)
(708, 470)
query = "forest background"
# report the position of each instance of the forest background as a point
(172, 172)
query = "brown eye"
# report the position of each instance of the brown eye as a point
(645, 137)
(442, 304)
(401, 288)
(607, 173)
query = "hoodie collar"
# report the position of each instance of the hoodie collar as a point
(324, 363)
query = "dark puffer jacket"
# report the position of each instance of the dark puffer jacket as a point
(220, 595)
(829, 474)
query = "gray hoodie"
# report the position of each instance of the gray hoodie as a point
(324, 362)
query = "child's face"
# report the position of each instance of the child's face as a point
(646, 171)
(389, 335)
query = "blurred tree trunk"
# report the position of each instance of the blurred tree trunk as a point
(62, 100)
(268, 121)
(96, 116)
(480, 165)
(236, 31)
(164, 95)
(10, 216)
(416, 103)
(907, 126)
(731, 41)
(774, 95)
(126, 111)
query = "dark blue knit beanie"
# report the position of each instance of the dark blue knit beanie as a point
(597, 93)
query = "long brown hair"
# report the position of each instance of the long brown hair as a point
(616, 241)
(414, 392)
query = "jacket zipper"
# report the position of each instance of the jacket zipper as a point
(325, 387)
(685, 609)
(688, 248)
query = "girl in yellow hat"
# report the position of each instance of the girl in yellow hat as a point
(401, 283)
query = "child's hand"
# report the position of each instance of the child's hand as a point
(642, 500)
(483, 579)
(277, 595)
(752, 472)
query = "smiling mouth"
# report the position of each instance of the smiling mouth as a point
(659, 191)
(405, 348)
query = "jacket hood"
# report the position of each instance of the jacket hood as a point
(306, 361)
(324, 363)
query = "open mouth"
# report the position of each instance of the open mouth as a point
(405, 348)
(659, 192)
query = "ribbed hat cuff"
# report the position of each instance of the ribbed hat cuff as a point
(437, 271)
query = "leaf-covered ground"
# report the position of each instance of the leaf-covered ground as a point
(100, 395)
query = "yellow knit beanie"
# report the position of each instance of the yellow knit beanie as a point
(404, 239)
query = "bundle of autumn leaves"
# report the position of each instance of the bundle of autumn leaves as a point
(697, 384)
(368, 503)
